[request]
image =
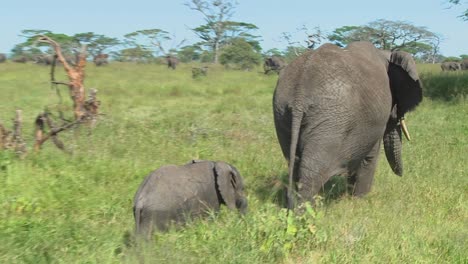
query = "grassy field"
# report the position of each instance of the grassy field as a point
(59, 208)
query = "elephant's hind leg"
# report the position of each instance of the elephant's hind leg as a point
(318, 164)
(361, 181)
(310, 185)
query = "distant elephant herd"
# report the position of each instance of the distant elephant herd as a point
(333, 108)
(98, 59)
(454, 65)
(272, 64)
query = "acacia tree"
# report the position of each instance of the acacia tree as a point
(344, 35)
(189, 53)
(219, 30)
(147, 39)
(434, 54)
(70, 45)
(154, 40)
(75, 76)
(84, 110)
(25, 50)
(136, 54)
(30, 48)
(291, 52)
(241, 30)
(216, 13)
(295, 48)
(241, 54)
(386, 34)
(464, 15)
(96, 43)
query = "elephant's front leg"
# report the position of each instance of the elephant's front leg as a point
(361, 181)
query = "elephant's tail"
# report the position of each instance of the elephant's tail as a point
(295, 129)
(137, 211)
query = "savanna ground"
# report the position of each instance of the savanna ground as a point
(59, 208)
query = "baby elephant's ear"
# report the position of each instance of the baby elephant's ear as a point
(226, 184)
(195, 161)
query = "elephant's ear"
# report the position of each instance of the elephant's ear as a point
(226, 184)
(404, 82)
(195, 161)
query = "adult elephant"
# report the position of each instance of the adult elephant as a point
(333, 106)
(20, 59)
(44, 59)
(450, 66)
(464, 64)
(273, 63)
(172, 62)
(101, 59)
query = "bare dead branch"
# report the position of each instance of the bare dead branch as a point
(45, 128)
(54, 136)
(58, 51)
(59, 144)
(75, 75)
(43, 120)
(39, 132)
(52, 69)
(54, 83)
(62, 83)
(13, 140)
(92, 107)
(4, 134)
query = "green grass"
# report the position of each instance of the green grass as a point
(447, 86)
(59, 208)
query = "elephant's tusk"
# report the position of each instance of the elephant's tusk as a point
(405, 129)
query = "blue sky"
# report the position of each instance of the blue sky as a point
(116, 18)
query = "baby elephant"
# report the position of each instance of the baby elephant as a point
(173, 193)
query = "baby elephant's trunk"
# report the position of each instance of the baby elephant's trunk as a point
(241, 205)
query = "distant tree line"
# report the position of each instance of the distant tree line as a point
(231, 43)
(393, 35)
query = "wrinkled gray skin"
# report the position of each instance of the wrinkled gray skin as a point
(172, 62)
(273, 63)
(2, 57)
(333, 106)
(464, 64)
(173, 193)
(450, 66)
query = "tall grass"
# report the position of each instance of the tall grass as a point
(58, 208)
(447, 86)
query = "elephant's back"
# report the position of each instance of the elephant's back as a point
(153, 186)
(332, 77)
(341, 93)
(174, 188)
